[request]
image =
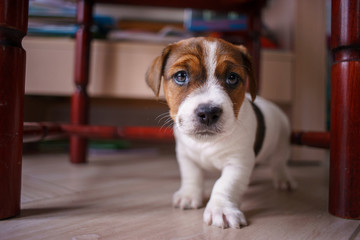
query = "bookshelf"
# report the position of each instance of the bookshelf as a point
(117, 69)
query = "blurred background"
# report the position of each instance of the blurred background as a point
(293, 65)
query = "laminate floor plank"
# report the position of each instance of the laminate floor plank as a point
(128, 196)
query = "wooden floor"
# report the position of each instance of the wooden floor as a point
(128, 196)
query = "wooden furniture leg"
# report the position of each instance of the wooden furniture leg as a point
(344, 198)
(80, 99)
(13, 27)
(38, 131)
(254, 41)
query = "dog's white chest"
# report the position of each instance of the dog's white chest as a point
(214, 155)
(200, 153)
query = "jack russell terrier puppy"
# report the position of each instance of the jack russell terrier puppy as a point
(218, 126)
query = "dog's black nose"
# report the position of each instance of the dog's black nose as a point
(208, 114)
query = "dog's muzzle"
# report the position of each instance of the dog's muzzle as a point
(207, 119)
(208, 114)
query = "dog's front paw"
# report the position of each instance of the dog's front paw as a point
(284, 182)
(188, 199)
(224, 216)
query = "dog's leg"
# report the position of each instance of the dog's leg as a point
(190, 194)
(222, 209)
(281, 178)
(278, 161)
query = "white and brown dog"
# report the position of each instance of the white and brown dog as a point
(218, 126)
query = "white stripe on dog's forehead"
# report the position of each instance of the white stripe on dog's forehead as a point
(210, 59)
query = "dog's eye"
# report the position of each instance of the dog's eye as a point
(233, 80)
(181, 78)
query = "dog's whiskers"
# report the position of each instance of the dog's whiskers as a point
(162, 116)
(166, 121)
(168, 124)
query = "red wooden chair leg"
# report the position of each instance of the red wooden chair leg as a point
(254, 42)
(80, 99)
(13, 27)
(344, 199)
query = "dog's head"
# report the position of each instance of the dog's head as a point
(204, 81)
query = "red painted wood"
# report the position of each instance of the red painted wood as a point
(13, 27)
(151, 133)
(80, 99)
(253, 42)
(344, 195)
(109, 132)
(311, 139)
(345, 144)
(14, 14)
(45, 131)
(41, 131)
(345, 27)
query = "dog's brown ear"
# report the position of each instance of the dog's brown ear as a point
(250, 71)
(156, 70)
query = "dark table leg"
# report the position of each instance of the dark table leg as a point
(80, 99)
(13, 27)
(345, 110)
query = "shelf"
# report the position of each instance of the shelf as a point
(118, 69)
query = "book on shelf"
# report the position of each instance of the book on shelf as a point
(207, 20)
(58, 18)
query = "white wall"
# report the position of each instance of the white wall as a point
(310, 70)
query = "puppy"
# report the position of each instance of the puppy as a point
(218, 126)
